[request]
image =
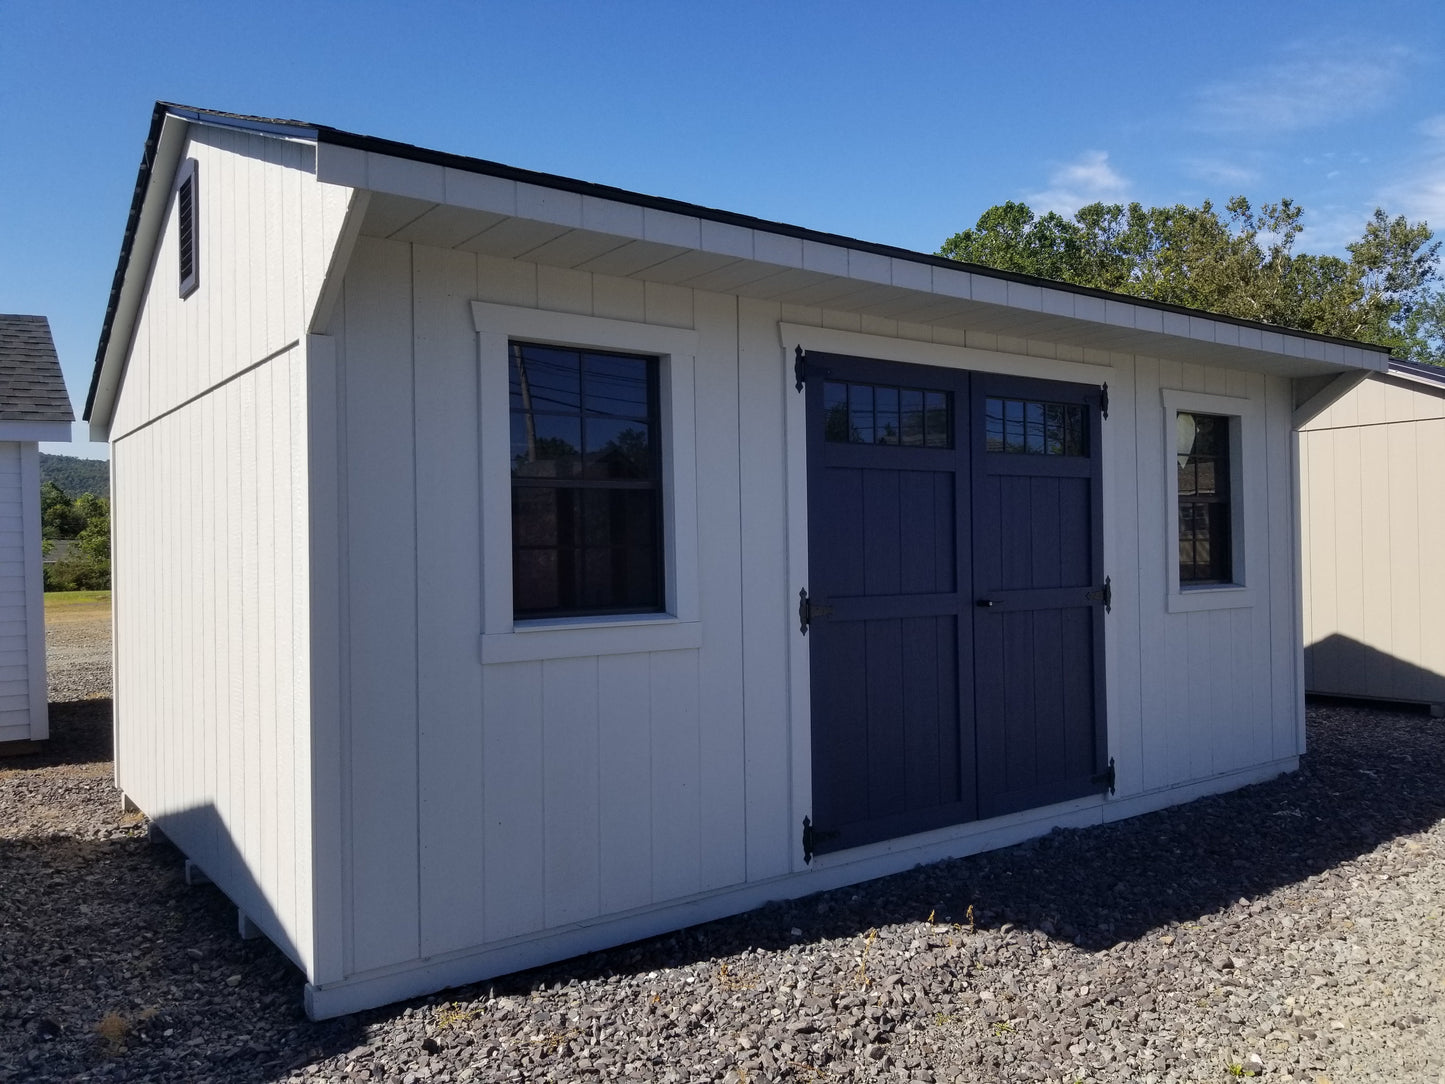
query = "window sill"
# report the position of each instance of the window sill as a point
(575, 637)
(1213, 597)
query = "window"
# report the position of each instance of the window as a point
(586, 482)
(1029, 427)
(1217, 514)
(882, 414)
(1203, 461)
(187, 222)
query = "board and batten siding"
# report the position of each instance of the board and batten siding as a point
(24, 713)
(490, 801)
(1372, 515)
(210, 529)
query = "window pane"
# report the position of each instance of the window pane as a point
(586, 487)
(618, 448)
(1187, 487)
(544, 378)
(936, 432)
(860, 410)
(1204, 475)
(910, 406)
(1034, 428)
(1013, 425)
(545, 445)
(835, 412)
(993, 424)
(885, 405)
(616, 385)
(535, 518)
(536, 585)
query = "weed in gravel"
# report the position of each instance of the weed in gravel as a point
(114, 1028)
(863, 979)
(453, 1015)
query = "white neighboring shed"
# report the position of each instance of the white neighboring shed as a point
(486, 646)
(1373, 498)
(33, 407)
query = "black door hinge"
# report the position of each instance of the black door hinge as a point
(1104, 594)
(1106, 777)
(813, 836)
(807, 611)
(1104, 400)
(800, 368)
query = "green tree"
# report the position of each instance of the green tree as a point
(1240, 262)
(58, 518)
(86, 520)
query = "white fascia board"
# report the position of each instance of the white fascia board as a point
(36, 430)
(1136, 324)
(138, 269)
(46, 431)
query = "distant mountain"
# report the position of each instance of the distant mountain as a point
(76, 475)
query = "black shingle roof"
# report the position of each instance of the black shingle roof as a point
(32, 388)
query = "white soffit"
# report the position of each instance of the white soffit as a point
(447, 207)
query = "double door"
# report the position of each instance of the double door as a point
(956, 596)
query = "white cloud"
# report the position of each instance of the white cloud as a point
(1221, 171)
(1312, 86)
(1087, 179)
(1420, 192)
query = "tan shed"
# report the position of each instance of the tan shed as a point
(1372, 516)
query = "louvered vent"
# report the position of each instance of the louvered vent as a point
(186, 223)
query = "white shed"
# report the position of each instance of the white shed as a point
(1373, 514)
(33, 407)
(559, 565)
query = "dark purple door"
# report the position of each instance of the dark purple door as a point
(912, 708)
(1037, 569)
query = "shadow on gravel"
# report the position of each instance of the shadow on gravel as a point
(1370, 777)
(80, 733)
(138, 977)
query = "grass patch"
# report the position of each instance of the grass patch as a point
(73, 600)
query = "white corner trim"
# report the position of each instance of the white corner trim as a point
(343, 247)
(34, 576)
(1248, 507)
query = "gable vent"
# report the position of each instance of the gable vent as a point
(186, 228)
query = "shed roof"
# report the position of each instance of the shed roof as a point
(32, 388)
(451, 200)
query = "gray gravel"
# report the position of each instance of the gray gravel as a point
(1290, 930)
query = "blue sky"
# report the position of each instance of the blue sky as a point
(897, 123)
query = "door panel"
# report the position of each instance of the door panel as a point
(892, 749)
(1037, 556)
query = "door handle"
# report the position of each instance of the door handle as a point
(988, 603)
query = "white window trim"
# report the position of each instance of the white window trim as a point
(505, 639)
(1248, 514)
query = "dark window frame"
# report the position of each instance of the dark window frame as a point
(582, 489)
(1206, 517)
(188, 221)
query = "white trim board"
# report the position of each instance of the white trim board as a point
(502, 640)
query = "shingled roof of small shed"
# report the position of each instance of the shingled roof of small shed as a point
(32, 388)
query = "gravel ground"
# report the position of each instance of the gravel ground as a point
(1290, 930)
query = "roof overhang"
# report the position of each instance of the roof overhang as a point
(33, 430)
(438, 200)
(449, 201)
